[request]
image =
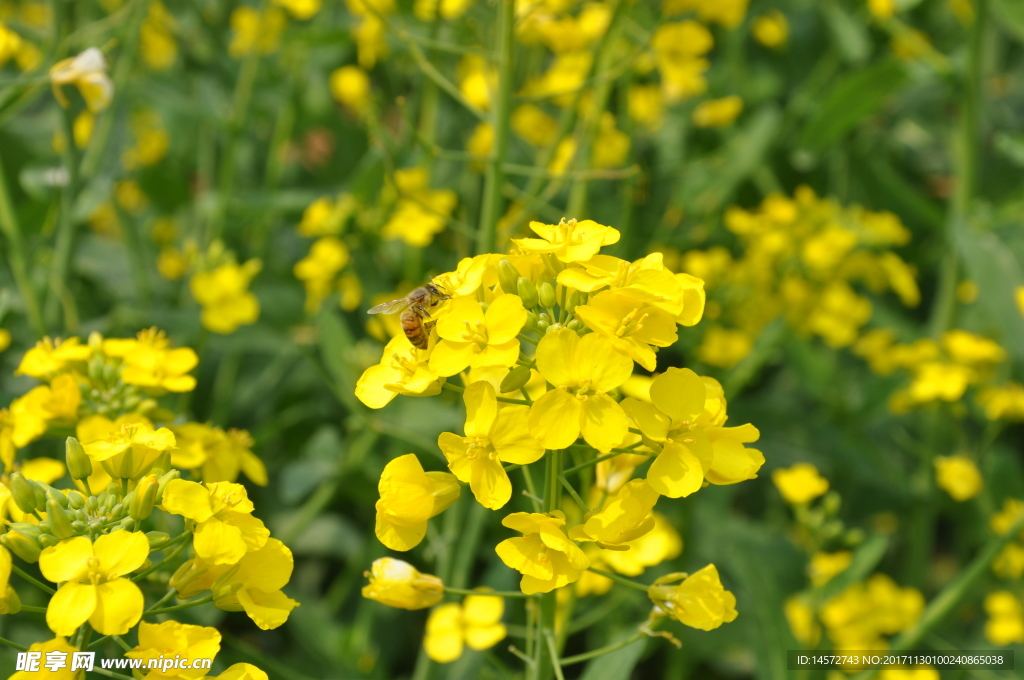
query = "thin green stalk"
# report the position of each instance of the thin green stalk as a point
(469, 540)
(500, 122)
(554, 654)
(29, 608)
(572, 492)
(498, 593)
(16, 257)
(37, 583)
(615, 646)
(620, 579)
(66, 227)
(180, 538)
(180, 607)
(13, 645)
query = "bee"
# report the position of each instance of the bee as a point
(414, 311)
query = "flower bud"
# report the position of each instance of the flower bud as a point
(574, 299)
(516, 379)
(76, 500)
(48, 540)
(141, 505)
(27, 494)
(95, 368)
(398, 584)
(56, 496)
(59, 520)
(117, 510)
(10, 603)
(531, 322)
(157, 539)
(507, 276)
(188, 579)
(546, 295)
(527, 292)
(164, 479)
(79, 464)
(162, 464)
(699, 601)
(543, 325)
(23, 541)
(575, 325)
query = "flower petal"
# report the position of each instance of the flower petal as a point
(556, 353)
(604, 422)
(188, 499)
(66, 561)
(679, 393)
(676, 472)
(481, 408)
(119, 605)
(70, 607)
(505, 317)
(490, 484)
(555, 419)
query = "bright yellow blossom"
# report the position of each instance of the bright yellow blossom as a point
(476, 623)
(52, 356)
(59, 646)
(630, 325)
(254, 585)
(802, 621)
(127, 447)
(403, 369)
(544, 555)
(700, 601)
(241, 671)
(300, 9)
(224, 526)
(398, 584)
(224, 296)
(1005, 625)
(824, 565)
(255, 31)
(94, 588)
(408, 498)
(150, 361)
(421, 212)
(717, 112)
(173, 638)
(583, 371)
(351, 86)
(661, 543)
(865, 612)
(494, 435)
(800, 483)
(570, 241)
(469, 336)
(327, 256)
(771, 29)
(958, 476)
(157, 46)
(625, 517)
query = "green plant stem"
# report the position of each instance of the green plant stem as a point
(620, 579)
(180, 607)
(29, 608)
(180, 538)
(572, 492)
(37, 583)
(495, 177)
(587, 656)
(16, 257)
(66, 227)
(498, 593)
(13, 645)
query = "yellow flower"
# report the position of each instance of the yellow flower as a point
(241, 671)
(724, 347)
(469, 336)
(420, 212)
(300, 9)
(156, 38)
(127, 447)
(800, 483)
(630, 325)
(52, 356)
(255, 31)
(771, 29)
(325, 217)
(402, 370)
(1018, 296)
(225, 298)
(216, 455)
(87, 72)
(408, 498)
(172, 638)
(661, 543)
(864, 612)
(351, 86)
(717, 112)
(151, 140)
(475, 623)
(61, 647)
(494, 435)
(1003, 402)
(625, 517)
(150, 362)
(699, 601)
(824, 566)
(939, 380)
(477, 81)
(882, 9)
(646, 105)
(544, 555)
(583, 370)
(1005, 625)
(94, 588)
(398, 584)
(326, 258)
(32, 413)
(224, 526)
(534, 125)
(254, 585)
(570, 241)
(958, 476)
(802, 622)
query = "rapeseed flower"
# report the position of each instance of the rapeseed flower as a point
(169, 638)
(317, 271)
(699, 601)
(476, 624)
(58, 646)
(94, 588)
(569, 241)
(495, 434)
(631, 325)
(398, 584)
(350, 85)
(254, 584)
(87, 72)
(420, 212)
(127, 447)
(958, 476)
(469, 336)
(1005, 625)
(625, 517)
(403, 369)
(717, 112)
(771, 29)
(544, 555)
(583, 371)
(224, 527)
(660, 544)
(149, 361)
(824, 565)
(224, 296)
(408, 498)
(800, 483)
(255, 31)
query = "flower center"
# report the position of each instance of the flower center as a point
(479, 447)
(475, 333)
(404, 364)
(631, 323)
(583, 389)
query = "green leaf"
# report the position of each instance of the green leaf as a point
(336, 344)
(1010, 14)
(993, 267)
(850, 102)
(851, 35)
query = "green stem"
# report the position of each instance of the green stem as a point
(16, 257)
(495, 177)
(37, 583)
(29, 608)
(469, 539)
(66, 227)
(572, 492)
(579, 658)
(620, 579)
(180, 538)
(498, 593)
(180, 607)
(13, 645)
(549, 636)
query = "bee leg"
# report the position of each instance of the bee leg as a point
(421, 310)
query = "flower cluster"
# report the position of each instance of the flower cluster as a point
(542, 345)
(100, 524)
(800, 260)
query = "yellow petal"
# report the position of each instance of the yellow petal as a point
(511, 438)
(119, 605)
(66, 561)
(604, 423)
(397, 535)
(450, 357)
(505, 317)
(121, 552)
(485, 637)
(676, 472)
(462, 312)
(679, 393)
(70, 607)
(490, 484)
(555, 418)
(443, 640)
(188, 499)
(481, 408)
(555, 357)
(218, 542)
(606, 366)
(267, 610)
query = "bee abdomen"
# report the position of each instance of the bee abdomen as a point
(418, 334)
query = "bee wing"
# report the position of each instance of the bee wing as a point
(389, 307)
